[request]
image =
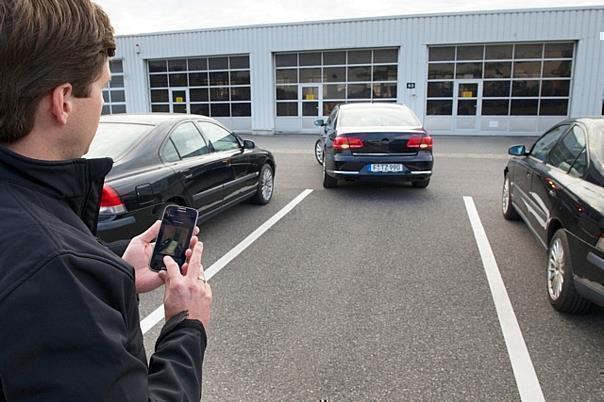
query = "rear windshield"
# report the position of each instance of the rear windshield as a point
(378, 117)
(114, 139)
(597, 146)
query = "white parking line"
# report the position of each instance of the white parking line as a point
(158, 314)
(524, 372)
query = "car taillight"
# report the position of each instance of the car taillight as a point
(111, 203)
(341, 143)
(600, 244)
(420, 142)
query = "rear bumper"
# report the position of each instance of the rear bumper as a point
(357, 167)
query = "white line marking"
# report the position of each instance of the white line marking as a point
(158, 314)
(524, 372)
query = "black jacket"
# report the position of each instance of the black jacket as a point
(69, 321)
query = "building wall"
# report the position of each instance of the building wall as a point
(412, 34)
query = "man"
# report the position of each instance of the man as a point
(69, 320)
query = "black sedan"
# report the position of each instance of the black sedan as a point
(162, 159)
(374, 142)
(557, 189)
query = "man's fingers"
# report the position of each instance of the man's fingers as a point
(173, 271)
(150, 234)
(196, 231)
(195, 269)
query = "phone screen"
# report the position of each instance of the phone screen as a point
(174, 235)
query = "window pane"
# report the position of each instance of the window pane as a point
(287, 76)
(198, 95)
(495, 107)
(469, 52)
(159, 95)
(568, 149)
(328, 107)
(359, 73)
(178, 80)
(169, 153)
(220, 138)
(524, 107)
(198, 64)
(287, 109)
(156, 66)
(469, 70)
(553, 107)
(240, 61)
(285, 92)
(528, 69)
(219, 78)
(555, 87)
(310, 75)
(310, 59)
(220, 94)
(116, 66)
(496, 88)
(384, 73)
(580, 166)
(441, 54)
(359, 91)
(286, 60)
(558, 50)
(158, 80)
(359, 57)
(218, 63)
(337, 91)
(200, 108)
(385, 56)
(240, 77)
(439, 107)
(384, 90)
(105, 96)
(525, 88)
(556, 68)
(118, 109)
(160, 108)
(498, 52)
(117, 81)
(467, 90)
(436, 71)
(198, 79)
(334, 74)
(497, 70)
(310, 108)
(177, 65)
(118, 96)
(443, 89)
(532, 51)
(241, 109)
(220, 110)
(240, 93)
(334, 58)
(466, 107)
(188, 141)
(179, 108)
(543, 145)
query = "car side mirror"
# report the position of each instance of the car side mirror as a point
(249, 144)
(319, 122)
(517, 150)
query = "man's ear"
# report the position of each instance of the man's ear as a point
(61, 102)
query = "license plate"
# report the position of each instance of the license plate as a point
(386, 167)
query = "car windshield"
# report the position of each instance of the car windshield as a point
(113, 139)
(378, 117)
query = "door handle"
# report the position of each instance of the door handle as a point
(189, 176)
(226, 162)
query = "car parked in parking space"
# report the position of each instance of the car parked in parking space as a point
(557, 188)
(162, 159)
(374, 142)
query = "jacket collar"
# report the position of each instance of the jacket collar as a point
(76, 182)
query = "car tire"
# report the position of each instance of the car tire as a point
(328, 181)
(319, 151)
(508, 210)
(266, 185)
(561, 291)
(421, 183)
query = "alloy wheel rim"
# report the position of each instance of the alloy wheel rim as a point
(319, 151)
(505, 199)
(555, 269)
(267, 184)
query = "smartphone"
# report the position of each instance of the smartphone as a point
(177, 225)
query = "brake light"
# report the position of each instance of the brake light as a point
(342, 143)
(420, 142)
(111, 203)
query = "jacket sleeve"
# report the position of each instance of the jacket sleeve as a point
(71, 332)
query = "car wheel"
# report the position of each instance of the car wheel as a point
(509, 212)
(319, 151)
(421, 183)
(561, 290)
(328, 181)
(266, 182)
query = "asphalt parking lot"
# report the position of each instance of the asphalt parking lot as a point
(379, 292)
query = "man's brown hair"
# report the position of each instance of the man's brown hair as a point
(44, 44)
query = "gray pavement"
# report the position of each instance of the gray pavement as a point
(377, 292)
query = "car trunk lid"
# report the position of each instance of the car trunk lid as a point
(386, 140)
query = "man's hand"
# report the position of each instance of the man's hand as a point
(187, 290)
(138, 254)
